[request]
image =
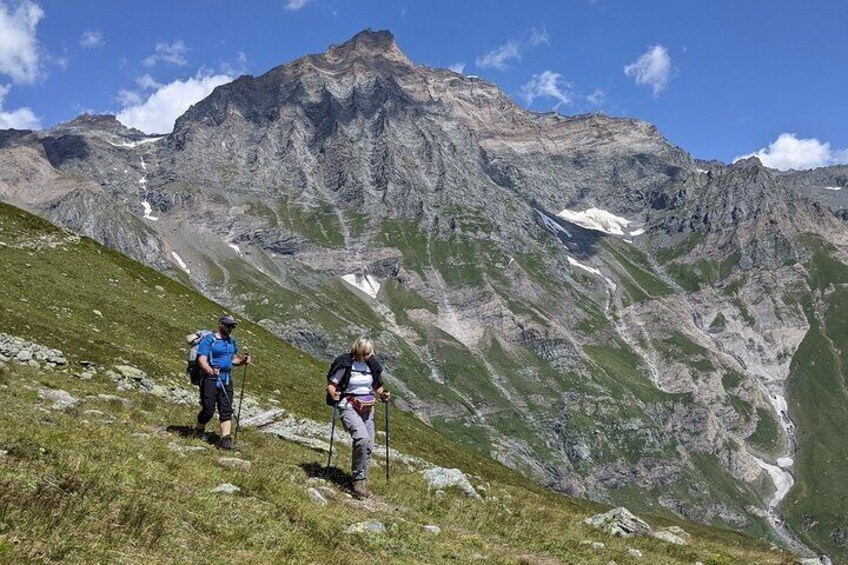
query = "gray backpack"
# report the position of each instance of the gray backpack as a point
(195, 374)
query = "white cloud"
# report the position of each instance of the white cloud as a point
(790, 152)
(147, 82)
(18, 43)
(597, 98)
(22, 118)
(538, 36)
(500, 57)
(547, 84)
(173, 53)
(237, 68)
(157, 113)
(92, 39)
(457, 67)
(129, 98)
(652, 69)
(294, 5)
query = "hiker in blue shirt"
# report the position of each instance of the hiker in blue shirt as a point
(217, 353)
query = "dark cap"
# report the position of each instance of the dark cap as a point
(227, 320)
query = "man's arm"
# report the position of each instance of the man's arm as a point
(242, 359)
(238, 358)
(204, 351)
(207, 369)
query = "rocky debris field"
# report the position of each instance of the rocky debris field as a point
(26, 352)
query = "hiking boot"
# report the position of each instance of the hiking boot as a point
(199, 434)
(359, 490)
(226, 443)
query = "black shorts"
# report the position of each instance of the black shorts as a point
(211, 397)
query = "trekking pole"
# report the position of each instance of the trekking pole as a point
(241, 398)
(332, 433)
(387, 441)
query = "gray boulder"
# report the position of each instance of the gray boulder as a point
(61, 399)
(264, 418)
(23, 356)
(316, 496)
(619, 522)
(439, 478)
(111, 397)
(669, 537)
(131, 372)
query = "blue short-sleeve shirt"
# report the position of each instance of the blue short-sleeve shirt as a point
(219, 353)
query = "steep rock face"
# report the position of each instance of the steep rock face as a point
(641, 367)
(827, 185)
(28, 180)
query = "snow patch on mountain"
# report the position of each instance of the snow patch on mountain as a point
(575, 263)
(131, 144)
(147, 210)
(596, 219)
(833, 188)
(366, 283)
(180, 262)
(783, 481)
(595, 271)
(640, 231)
(552, 226)
(235, 248)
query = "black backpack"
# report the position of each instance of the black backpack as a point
(335, 366)
(345, 361)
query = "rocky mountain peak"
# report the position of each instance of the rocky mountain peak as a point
(368, 44)
(96, 122)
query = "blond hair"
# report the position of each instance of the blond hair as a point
(362, 348)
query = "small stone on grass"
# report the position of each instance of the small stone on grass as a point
(369, 527)
(316, 496)
(234, 463)
(226, 488)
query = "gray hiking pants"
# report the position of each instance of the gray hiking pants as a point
(361, 430)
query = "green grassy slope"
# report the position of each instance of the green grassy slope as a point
(77, 490)
(818, 396)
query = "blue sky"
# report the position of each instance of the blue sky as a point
(721, 79)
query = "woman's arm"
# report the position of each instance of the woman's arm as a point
(383, 393)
